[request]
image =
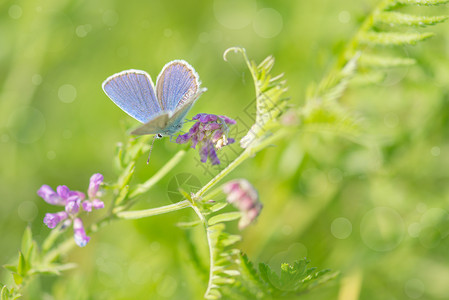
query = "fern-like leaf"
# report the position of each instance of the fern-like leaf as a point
(378, 61)
(399, 19)
(419, 2)
(294, 279)
(270, 98)
(393, 38)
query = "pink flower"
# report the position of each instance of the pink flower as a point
(245, 198)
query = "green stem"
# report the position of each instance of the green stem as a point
(138, 214)
(241, 158)
(143, 187)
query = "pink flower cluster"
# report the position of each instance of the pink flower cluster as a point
(245, 198)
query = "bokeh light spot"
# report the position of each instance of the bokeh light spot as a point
(341, 228)
(51, 155)
(82, 30)
(382, 229)
(67, 93)
(167, 287)
(27, 211)
(36, 79)
(234, 14)
(414, 229)
(344, 17)
(414, 288)
(268, 23)
(435, 151)
(15, 11)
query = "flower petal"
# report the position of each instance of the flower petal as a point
(50, 196)
(81, 239)
(52, 220)
(95, 181)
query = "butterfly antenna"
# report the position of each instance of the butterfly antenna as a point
(151, 148)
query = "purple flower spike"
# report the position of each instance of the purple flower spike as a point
(94, 184)
(50, 196)
(210, 133)
(81, 239)
(245, 198)
(52, 220)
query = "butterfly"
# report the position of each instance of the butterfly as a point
(162, 109)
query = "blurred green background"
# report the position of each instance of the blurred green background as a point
(377, 214)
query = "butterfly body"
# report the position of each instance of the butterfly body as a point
(161, 109)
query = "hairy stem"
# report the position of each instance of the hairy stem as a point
(138, 214)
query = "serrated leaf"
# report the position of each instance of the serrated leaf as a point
(252, 280)
(377, 61)
(225, 217)
(393, 38)
(399, 19)
(4, 294)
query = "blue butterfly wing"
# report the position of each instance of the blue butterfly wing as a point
(176, 84)
(177, 89)
(133, 92)
(156, 125)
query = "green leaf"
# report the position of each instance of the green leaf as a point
(213, 294)
(123, 194)
(187, 225)
(400, 19)
(4, 294)
(230, 240)
(218, 206)
(293, 279)
(225, 217)
(393, 38)
(27, 240)
(22, 267)
(421, 2)
(53, 269)
(378, 61)
(270, 99)
(126, 175)
(11, 268)
(17, 278)
(251, 279)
